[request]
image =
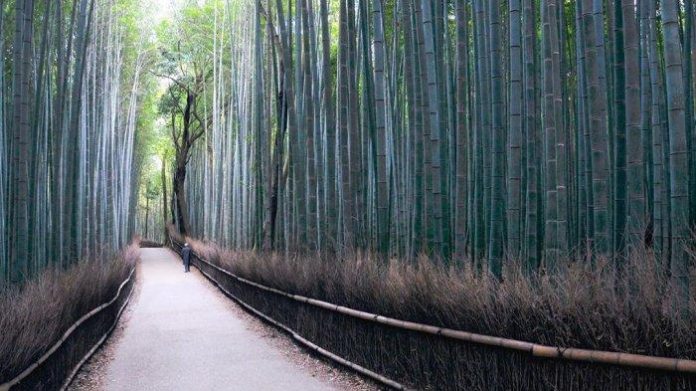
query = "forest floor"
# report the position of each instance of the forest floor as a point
(181, 333)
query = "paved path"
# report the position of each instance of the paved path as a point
(183, 336)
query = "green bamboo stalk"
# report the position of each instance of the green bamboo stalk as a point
(552, 239)
(514, 158)
(619, 208)
(495, 240)
(381, 174)
(434, 120)
(661, 221)
(678, 153)
(462, 155)
(308, 111)
(597, 111)
(636, 209)
(533, 235)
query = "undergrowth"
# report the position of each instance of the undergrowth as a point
(576, 306)
(37, 314)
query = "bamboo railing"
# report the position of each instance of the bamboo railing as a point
(28, 371)
(310, 345)
(303, 341)
(534, 349)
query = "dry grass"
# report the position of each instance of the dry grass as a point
(36, 315)
(577, 306)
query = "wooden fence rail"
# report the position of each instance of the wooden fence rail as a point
(534, 349)
(17, 382)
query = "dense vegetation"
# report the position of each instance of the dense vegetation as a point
(577, 306)
(479, 132)
(537, 156)
(73, 85)
(38, 314)
(530, 131)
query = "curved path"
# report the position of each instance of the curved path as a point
(183, 336)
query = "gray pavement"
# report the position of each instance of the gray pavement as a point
(182, 335)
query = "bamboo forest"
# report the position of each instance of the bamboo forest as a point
(419, 194)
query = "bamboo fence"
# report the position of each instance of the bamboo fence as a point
(46, 356)
(534, 349)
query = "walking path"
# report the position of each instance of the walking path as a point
(182, 335)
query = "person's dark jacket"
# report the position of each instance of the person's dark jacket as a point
(186, 254)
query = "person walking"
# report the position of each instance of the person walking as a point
(186, 256)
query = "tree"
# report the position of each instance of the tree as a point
(186, 130)
(181, 104)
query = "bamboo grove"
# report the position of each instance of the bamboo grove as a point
(477, 131)
(71, 75)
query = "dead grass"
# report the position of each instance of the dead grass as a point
(36, 315)
(577, 306)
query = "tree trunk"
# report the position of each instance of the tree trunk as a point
(165, 199)
(180, 197)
